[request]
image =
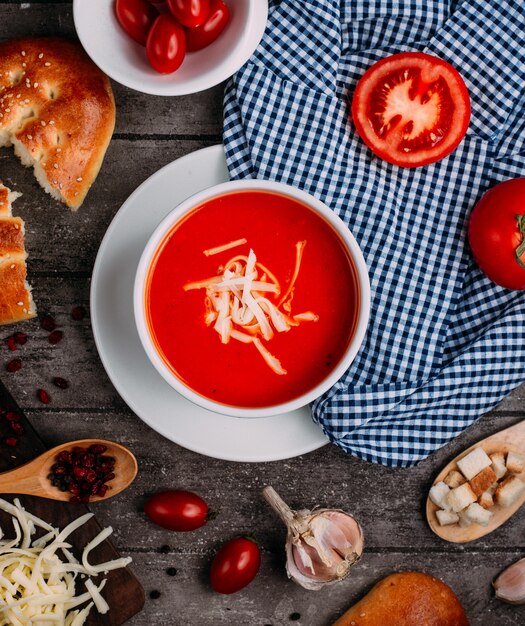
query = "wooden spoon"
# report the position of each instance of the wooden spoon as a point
(31, 478)
(510, 439)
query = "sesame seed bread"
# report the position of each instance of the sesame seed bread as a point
(16, 303)
(407, 599)
(58, 111)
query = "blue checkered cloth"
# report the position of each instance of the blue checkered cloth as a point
(444, 344)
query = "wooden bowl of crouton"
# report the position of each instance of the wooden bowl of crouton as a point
(480, 489)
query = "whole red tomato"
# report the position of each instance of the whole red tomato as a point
(235, 565)
(190, 12)
(202, 36)
(411, 108)
(136, 18)
(166, 44)
(496, 233)
(177, 510)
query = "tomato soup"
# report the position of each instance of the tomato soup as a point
(251, 299)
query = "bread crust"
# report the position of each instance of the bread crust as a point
(16, 303)
(407, 599)
(58, 110)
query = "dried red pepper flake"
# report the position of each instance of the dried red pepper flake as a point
(47, 322)
(11, 343)
(20, 338)
(61, 383)
(43, 396)
(78, 313)
(55, 337)
(14, 365)
(10, 441)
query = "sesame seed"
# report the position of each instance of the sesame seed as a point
(23, 53)
(24, 64)
(35, 85)
(17, 226)
(8, 110)
(52, 122)
(20, 303)
(60, 186)
(13, 266)
(76, 193)
(27, 101)
(25, 310)
(47, 64)
(55, 165)
(40, 55)
(30, 137)
(59, 149)
(79, 179)
(42, 122)
(18, 95)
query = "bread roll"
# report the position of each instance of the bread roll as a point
(16, 303)
(57, 110)
(407, 599)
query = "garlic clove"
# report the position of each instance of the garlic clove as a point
(510, 584)
(321, 545)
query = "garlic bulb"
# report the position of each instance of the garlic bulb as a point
(510, 584)
(321, 545)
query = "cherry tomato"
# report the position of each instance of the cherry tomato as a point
(496, 233)
(177, 510)
(166, 44)
(235, 565)
(190, 13)
(136, 18)
(201, 36)
(411, 109)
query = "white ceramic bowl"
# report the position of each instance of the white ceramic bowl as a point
(125, 61)
(186, 207)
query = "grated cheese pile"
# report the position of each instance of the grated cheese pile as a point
(37, 577)
(243, 302)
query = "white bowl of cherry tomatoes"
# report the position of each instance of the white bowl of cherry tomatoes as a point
(170, 47)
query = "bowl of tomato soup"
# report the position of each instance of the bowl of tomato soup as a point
(251, 298)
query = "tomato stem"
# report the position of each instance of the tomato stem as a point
(520, 250)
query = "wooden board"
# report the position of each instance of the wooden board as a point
(123, 591)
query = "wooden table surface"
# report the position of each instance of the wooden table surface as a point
(151, 132)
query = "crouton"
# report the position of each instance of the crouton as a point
(454, 479)
(498, 464)
(460, 497)
(479, 515)
(474, 462)
(486, 500)
(482, 481)
(445, 518)
(438, 494)
(464, 521)
(508, 491)
(515, 462)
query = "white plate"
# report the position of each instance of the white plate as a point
(137, 381)
(125, 61)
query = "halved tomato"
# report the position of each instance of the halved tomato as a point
(411, 109)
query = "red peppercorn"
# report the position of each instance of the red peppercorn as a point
(11, 416)
(75, 499)
(102, 491)
(17, 428)
(11, 441)
(78, 313)
(20, 338)
(14, 365)
(43, 396)
(97, 448)
(11, 344)
(55, 337)
(61, 383)
(48, 323)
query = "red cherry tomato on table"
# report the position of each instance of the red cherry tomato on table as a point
(496, 233)
(166, 45)
(411, 109)
(190, 13)
(235, 565)
(202, 36)
(136, 18)
(177, 510)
